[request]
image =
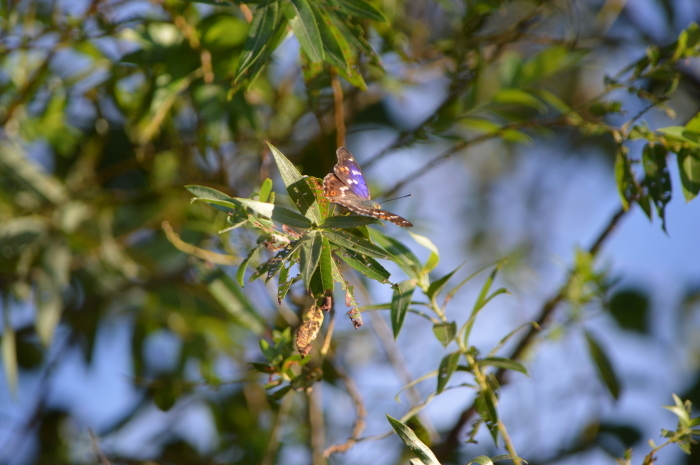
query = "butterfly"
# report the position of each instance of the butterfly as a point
(346, 186)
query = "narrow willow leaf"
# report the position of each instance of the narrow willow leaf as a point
(519, 97)
(240, 272)
(505, 363)
(436, 286)
(658, 178)
(448, 365)
(300, 192)
(401, 254)
(363, 9)
(347, 222)
(624, 178)
(260, 35)
(301, 19)
(9, 352)
(359, 245)
(498, 458)
(478, 305)
(265, 190)
(445, 332)
(434, 257)
(365, 265)
(284, 283)
(207, 193)
(325, 265)
(276, 212)
(485, 405)
(400, 302)
(49, 304)
(604, 367)
(481, 460)
(311, 249)
(409, 438)
(689, 169)
(232, 298)
(338, 51)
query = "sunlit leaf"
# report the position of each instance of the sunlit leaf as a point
(445, 332)
(401, 254)
(364, 264)
(301, 19)
(689, 169)
(434, 257)
(412, 442)
(300, 192)
(400, 302)
(505, 363)
(260, 38)
(448, 365)
(603, 365)
(357, 244)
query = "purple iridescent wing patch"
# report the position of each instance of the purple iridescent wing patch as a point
(346, 186)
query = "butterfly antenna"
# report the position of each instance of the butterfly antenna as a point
(396, 198)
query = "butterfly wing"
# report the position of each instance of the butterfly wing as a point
(349, 173)
(346, 187)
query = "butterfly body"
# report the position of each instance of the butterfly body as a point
(346, 186)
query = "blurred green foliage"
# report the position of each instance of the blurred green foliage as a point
(108, 109)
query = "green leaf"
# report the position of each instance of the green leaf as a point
(505, 363)
(548, 62)
(49, 304)
(689, 168)
(481, 460)
(260, 39)
(448, 365)
(232, 298)
(358, 244)
(682, 134)
(603, 365)
(300, 192)
(417, 446)
(285, 283)
(240, 272)
(326, 265)
(519, 97)
(624, 178)
(434, 257)
(400, 254)
(207, 194)
(400, 302)
(301, 18)
(338, 51)
(15, 164)
(445, 332)
(265, 190)
(347, 222)
(485, 405)
(9, 350)
(481, 301)
(437, 286)
(658, 178)
(310, 256)
(362, 8)
(277, 213)
(365, 265)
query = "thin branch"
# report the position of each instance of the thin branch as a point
(96, 447)
(204, 254)
(447, 448)
(275, 430)
(316, 424)
(360, 412)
